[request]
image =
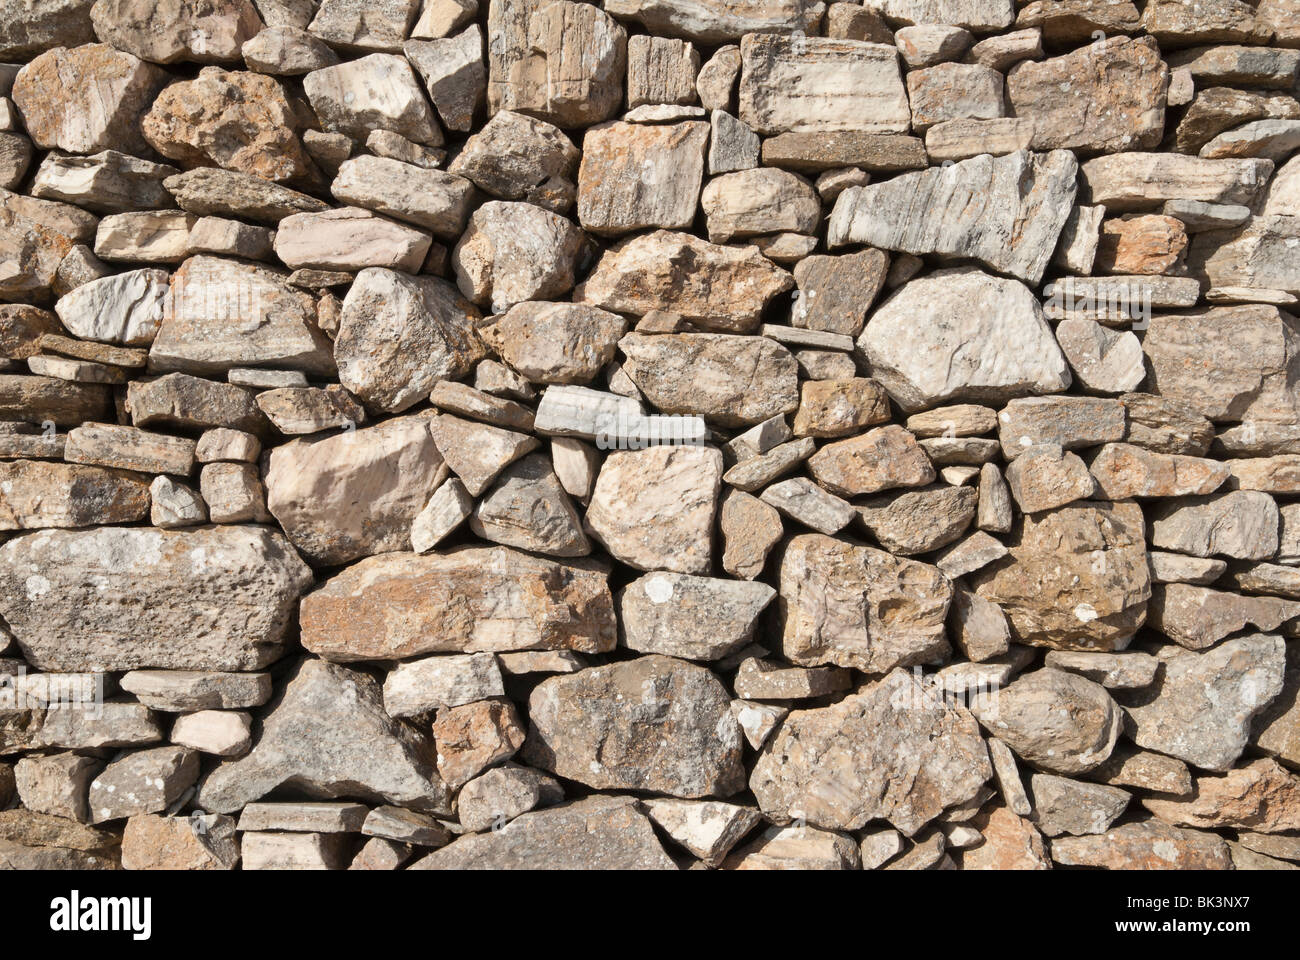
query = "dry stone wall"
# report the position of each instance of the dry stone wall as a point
(735, 434)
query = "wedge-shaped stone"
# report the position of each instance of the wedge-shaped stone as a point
(1201, 705)
(1228, 363)
(881, 459)
(716, 288)
(527, 508)
(1077, 579)
(36, 495)
(637, 176)
(513, 252)
(399, 335)
(696, 618)
(223, 313)
(467, 600)
(454, 73)
(428, 198)
(859, 607)
(30, 27)
(218, 598)
(209, 191)
(1004, 211)
(32, 255)
(821, 85)
(598, 833)
(1103, 97)
(653, 723)
(981, 16)
(354, 494)
(732, 381)
(329, 737)
(893, 751)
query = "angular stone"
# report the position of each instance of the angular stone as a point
(1198, 617)
(1131, 767)
(713, 21)
(954, 91)
(1166, 425)
(211, 599)
(329, 737)
(527, 508)
(1240, 524)
(1062, 805)
(1176, 568)
(880, 459)
(556, 342)
(1114, 671)
(820, 85)
(732, 145)
(35, 495)
(1247, 66)
(696, 618)
(183, 691)
(750, 528)
(56, 784)
(920, 520)
(129, 448)
(349, 239)
(376, 92)
(399, 605)
(708, 829)
(1201, 705)
(147, 781)
(1045, 476)
(638, 176)
(287, 51)
(597, 833)
(1149, 845)
(716, 288)
(208, 191)
(432, 199)
(1141, 181)
(653, 723)
(222, 733)
(1028, 198)
(961, 139)
(86, 99)
(1261, 797)
(294, 851)
(513, 252)
(796, 848)
(312, 484)
(1102, 360)
(1076, 578)
(179, 400)
(1069, 422)
(754, 202)
(430, 683)
(1276, 730)
(195, 842)
(1124, 471)
(515, 157)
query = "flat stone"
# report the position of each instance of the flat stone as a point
(1166, 425)
(467, 600)
(638, 176)
(1261, 797)
(1198, 617)
(146, 781)
(954, 91)
(208, 191)
(37, 495)
(1142, 181)
(349, 239)
(796, 848)
(1149, 845)
(1130, 767)
(294, 851)
(195, 842)
(751, 203)
(418, 686)
(221, 733)
(184, 691)
(1114, 671)
(433, 199)
(448, 507)
(695, 618)
(1068, 422)
(1240, 524)
(303, 817)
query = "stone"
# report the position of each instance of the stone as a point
(196, 842)
(1065, 806)
(527, 508)
(174, 504)
(1102, 360)
(287, 51)
(750, 528)
(755, 202)
(399, 335)
(419, 686)
(796, 848)
(930, 44)
(398, 824)
(448, 507)
(1068, 422)
(1260, 797)
(732, 145)
(835, 292)
(874, 737)
(1274, 730)
(596, 833)
(437, 201)
(963, 138)
(677, 737)
(498, 795)
(660, 70)
(53, 93)
(1198, 617)
(512, 252)
(1141, 245)
(179, 400)
(1045, 476)
(303, 817)
(146, 781)
(209, 191)
(304, 410)
(1176, 568)
(919, 521)
(884, 458)
(884, 626)
(1057, 721)
(556, 342)
(144, 237)
(465, 400)
(807, 503)
(835, 408)
(478, 452)
(375, 92)
(1248, 66)
(708, 829)
(129, 448)
(56, 784)
(1240, 524)
(222, 733)
(1201, 705)
(954, 91)
(312, 484)
(621, 160)
(720, 288)
(454, 74)
(1142, 181)
(184, 691)
(349, 239)
(1113, 671)
(516, 157)
(1028, 197)
(695, 618)
(330, 738)
(1166, 425)
(1076, 578)
(36, 841)
(294, 851)
(69, 726)
(1124, 471)
(1149, 845)
(39, 495)
(231, 238)
(973, 553)
(232, 119)
(395, 606)
(820, 85)
(1131, 767)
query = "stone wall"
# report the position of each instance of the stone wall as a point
(656, 434)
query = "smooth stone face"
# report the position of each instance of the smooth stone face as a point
(313, 486)
(330, 738)
(348, 239)
(475, 599)
(755, 202)
(958, 353)
(1029, 199)
(871, 736)
(859, 607)
(195, 842)
(596, 833)
(706, 828)
(695, 618)
(641, 176)
(213, 599)
(654, 723)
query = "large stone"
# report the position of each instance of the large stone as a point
(36, 495)
(751, 203)
(1149, 845)
(399, 335)
(881, 459)
(654, 723)
(714, 287)
(30, 27)
(1198, 617)
(427, 198)
(328, 737)
(348, 239)
(836, 292)
(375, 25)
(714, 21)
(1057, 721)
(696, 618)
(556, 342)
(1142, 181)
(561, 62)
(512, 252)
(378, 92)
(598, 833)
(1241, 524)
(1201, 705)
(731, 381)
(1261, 797)
(637, 176)
(653, 509)
(212, 31)
(1104, 97)
(1076, 579)
(820, 85)
(209, 191)
(1023, 202)
(237, 120)
(893, 751)
(1124, 471)
(218, 598)
(516, 157)
(354, 494)
(859, 607)
(225, 313)
(467, 600)
(991, 354)
(86, 99)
